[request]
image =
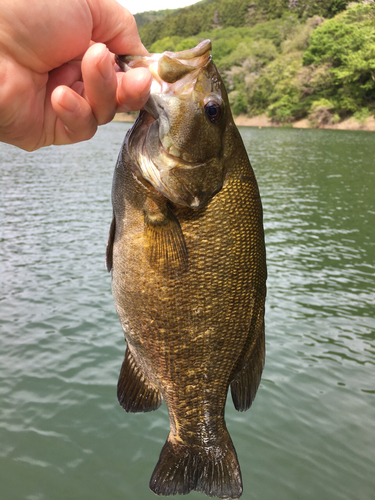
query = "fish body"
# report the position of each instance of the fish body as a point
(187, 256)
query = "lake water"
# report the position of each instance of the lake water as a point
(311, 431)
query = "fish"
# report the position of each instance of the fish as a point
(187, 257)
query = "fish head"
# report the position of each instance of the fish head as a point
(178, 140)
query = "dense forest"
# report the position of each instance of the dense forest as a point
(291, 59)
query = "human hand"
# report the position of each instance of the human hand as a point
(58, 78)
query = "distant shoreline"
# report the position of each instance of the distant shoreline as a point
(263, 121)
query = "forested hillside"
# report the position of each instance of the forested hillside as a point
(150, 16)
(291, 59)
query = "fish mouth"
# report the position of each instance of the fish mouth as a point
(168, 153)
(169, 68)
(169, 175)
(159, 141)
(174, 77)
(160, 147)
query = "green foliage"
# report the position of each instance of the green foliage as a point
(280, 77)
(232, 13)
(181, 22)
(238, 102)
(322, 112)
(274, 59)
(265, 38)
(322, 103)
(168, 43)
(143, 18)
(361, 115)
(347, 44)
(334, 41)
(218, 14)
(299, 37)
(222, 47)
(261, 52)
(326, 8)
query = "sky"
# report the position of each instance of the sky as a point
(135, 6)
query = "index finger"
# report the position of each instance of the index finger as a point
(116, 27)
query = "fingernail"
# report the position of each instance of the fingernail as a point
(105, 67)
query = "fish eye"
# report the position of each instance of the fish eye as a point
(213, 111)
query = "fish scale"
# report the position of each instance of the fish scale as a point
(188, 278)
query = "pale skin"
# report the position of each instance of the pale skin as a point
(58, 77)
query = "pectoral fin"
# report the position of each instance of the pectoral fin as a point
(109, 250)
(165, 244)
(134, 392)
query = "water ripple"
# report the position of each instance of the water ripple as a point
(309, 432)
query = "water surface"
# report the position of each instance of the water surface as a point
(311, 430)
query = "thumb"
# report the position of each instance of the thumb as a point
(116, 27)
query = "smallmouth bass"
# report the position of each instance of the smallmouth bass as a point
(187, 257)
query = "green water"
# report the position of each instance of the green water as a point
(311, 431)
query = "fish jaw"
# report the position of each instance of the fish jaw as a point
(181, 152)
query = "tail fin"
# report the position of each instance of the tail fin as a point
(213, 470)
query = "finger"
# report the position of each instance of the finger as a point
(100, 82)
(76, 121)
(116, 27)
(133, 89)
(66, 74)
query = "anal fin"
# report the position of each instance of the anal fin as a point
(134, 392)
